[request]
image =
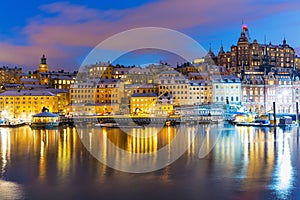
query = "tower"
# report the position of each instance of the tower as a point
(42, 73)
(243, 50)
(43, 67)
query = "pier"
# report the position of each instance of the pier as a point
(140, 120)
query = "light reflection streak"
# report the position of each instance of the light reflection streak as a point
(284, 173)
(5, 149)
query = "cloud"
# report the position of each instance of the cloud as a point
(64, 31)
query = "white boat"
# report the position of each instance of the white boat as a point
(108, 125)
(258, 122)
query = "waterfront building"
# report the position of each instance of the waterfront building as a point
(142, 102)
(226, 89)
(260, 90)
(200, 92)
(25, 103)
(177, 86)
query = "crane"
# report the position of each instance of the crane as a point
(154, 101)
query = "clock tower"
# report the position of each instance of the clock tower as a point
(43, 67)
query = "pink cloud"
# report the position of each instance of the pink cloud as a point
(73, 26)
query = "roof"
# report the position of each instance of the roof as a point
(200, 83)
(30, 80)
(45, 114)
(34, 92)
(225, 79)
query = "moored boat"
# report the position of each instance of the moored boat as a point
(257, 122)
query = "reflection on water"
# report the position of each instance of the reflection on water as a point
(244, 163)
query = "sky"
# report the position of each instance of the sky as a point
(66, 31)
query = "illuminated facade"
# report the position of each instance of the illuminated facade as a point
(101, 70)
(249, 55)
(43, 68)
(260, 91)
(177, 86)
(106, 91)
(226, 89)
(10, 75)
(83, 91)
(142, 102)
(25, 103)
(200, 92)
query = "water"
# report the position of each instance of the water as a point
(244, 163)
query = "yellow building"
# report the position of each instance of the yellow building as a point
(101, 70)
(142, 102)
(177, 86)
(107, 91)
(25, 103)
(83, 92)
(10, 75)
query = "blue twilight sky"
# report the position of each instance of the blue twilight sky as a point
(66, 31)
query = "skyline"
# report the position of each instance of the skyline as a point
(66, 32)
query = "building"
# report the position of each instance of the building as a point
(62, 80)
(10, 75)
(177, 86)
(260, 90)
(226, 89)
(101, 70)
(25, 103)
(83, 91)
(107, 91)
(141, 103)
(247, 55)
(200, 92)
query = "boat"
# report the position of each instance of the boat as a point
(257, 122)
(108, 125)
(9, 124)
(286, 121)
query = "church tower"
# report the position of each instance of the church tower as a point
(43, 67)
(42, 73)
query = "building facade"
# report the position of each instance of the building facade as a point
(226, 89)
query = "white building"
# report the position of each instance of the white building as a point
(226, 88)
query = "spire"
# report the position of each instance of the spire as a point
(43, 59)
(221, 48)
(284, 41)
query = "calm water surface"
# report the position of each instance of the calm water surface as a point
(245, 163)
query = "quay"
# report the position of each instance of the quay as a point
(140, 120)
